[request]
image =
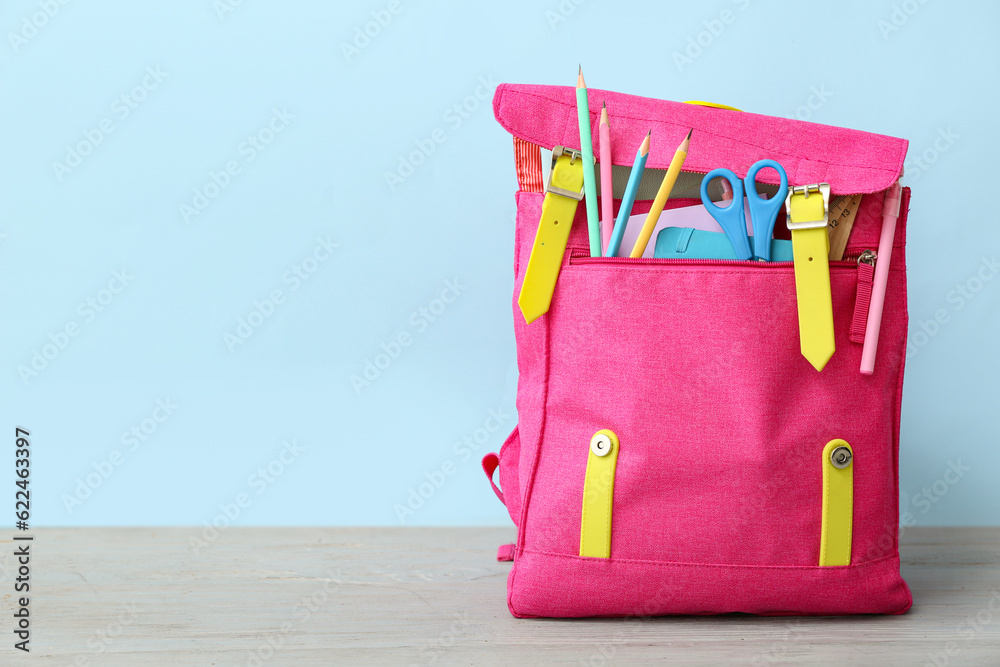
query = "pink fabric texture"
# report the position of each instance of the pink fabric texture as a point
(696, 367)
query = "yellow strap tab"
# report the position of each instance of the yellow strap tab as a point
(598, 491)
(808, 208)
(558, 209)
(838, 504)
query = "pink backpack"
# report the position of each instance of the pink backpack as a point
(721, 426)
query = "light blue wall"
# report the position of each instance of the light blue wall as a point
(343, 122)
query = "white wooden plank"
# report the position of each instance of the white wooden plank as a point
(389, 596)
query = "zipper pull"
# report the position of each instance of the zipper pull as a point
(866, 274)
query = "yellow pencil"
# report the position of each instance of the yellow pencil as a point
(666, 185)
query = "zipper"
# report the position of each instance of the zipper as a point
(864, 260)
(857, 255)
(866, 274)
(581, 257)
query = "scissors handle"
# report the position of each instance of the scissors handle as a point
(732, 219)
(763, 212)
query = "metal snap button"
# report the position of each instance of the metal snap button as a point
(600, 444)
(841, 457)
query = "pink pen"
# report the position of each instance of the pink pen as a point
(890, 212)
(607, 194)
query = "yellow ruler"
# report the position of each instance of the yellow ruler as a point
(843, 210)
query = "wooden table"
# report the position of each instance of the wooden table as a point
(423, 596)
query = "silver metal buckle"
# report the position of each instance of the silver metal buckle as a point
(574, 155)
(821, 188)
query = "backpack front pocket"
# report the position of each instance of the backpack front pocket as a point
(720, 422)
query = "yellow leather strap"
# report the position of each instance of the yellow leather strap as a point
(808, 207)
(598, 491)
(558, 209)
(838, 504)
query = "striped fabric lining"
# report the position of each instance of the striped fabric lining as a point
(528, 161)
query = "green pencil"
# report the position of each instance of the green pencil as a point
(589, 179)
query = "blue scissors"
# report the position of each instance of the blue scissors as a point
(763, 212)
